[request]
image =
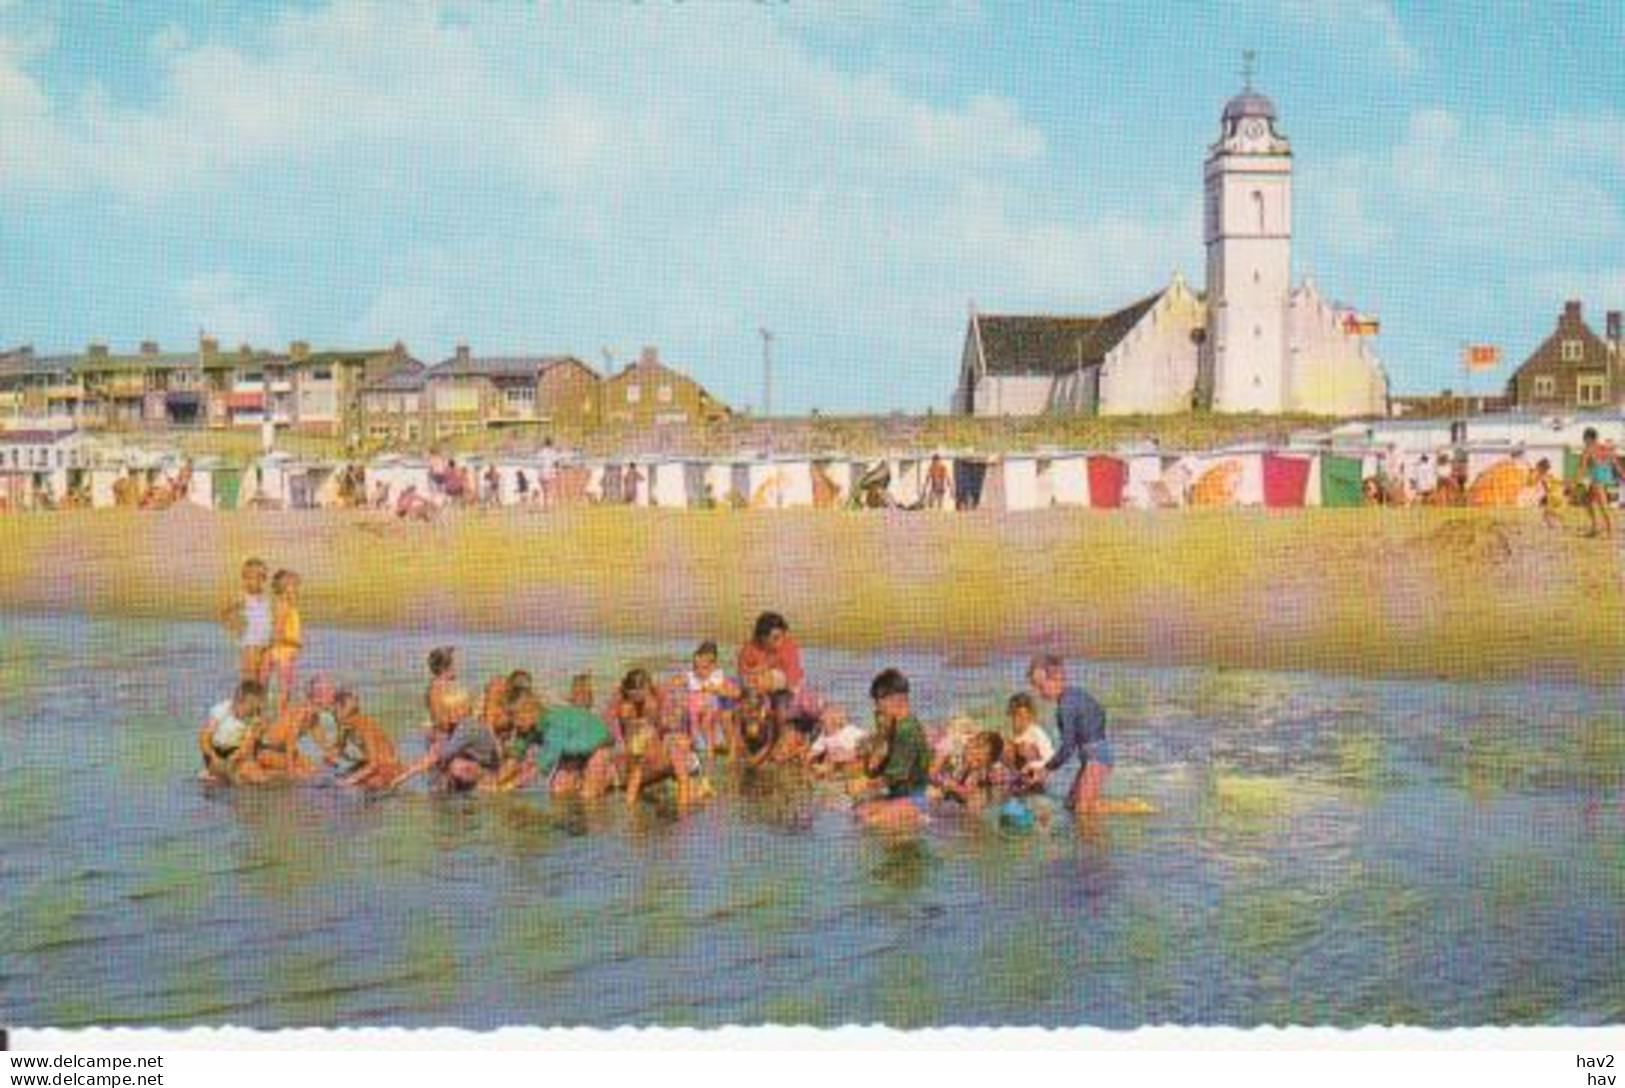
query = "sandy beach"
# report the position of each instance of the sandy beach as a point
(1458, 594)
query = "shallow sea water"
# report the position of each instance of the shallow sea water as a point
(1327, 851)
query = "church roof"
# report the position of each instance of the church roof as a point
(1015, 344)
(1249, 103)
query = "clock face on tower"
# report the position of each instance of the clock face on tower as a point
(1253, 129)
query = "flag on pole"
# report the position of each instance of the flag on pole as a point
(1481, 356)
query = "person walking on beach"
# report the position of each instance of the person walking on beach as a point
(547, 473)
(1599, 475)
(1080, 721)
(936, 483)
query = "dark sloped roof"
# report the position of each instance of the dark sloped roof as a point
(1021, 344)
(403, 379)
(496, 366)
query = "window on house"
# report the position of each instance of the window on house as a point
(1591, 389)
(1573, 351)
(1545, 386)
(665, 394)
(633, 394)
(322, 374)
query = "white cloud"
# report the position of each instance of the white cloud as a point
(686, 169)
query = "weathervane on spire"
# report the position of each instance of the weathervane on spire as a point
(1249, 66)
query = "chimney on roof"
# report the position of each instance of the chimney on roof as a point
(463, 354)
(97, 351)
(1571, 309)
(1616, 326)
(149, 347)
(299, 350)
(649, 356)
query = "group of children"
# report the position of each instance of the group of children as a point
(651, 734)
(265, 623)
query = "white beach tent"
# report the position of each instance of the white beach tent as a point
(1069, 479)
(1019, 472)
(1145, 488)
(668, 484)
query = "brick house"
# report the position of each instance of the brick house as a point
(1573, 367)
(649, 393)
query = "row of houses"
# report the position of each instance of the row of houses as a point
(1313, 470)
(379, 394)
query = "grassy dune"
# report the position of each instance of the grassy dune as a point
(859, 435)
(1458, 594)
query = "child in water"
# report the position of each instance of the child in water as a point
(657, 748)
(568, 746)
(275, 751)
(974, 778)
(758, 729)
(900, 761)
(1031, 746)
(836, 749)
(223, 738)
(248, 618)
(442, 681)
(378, 763)
(710, 697)
(1081, 722)
(287, 634)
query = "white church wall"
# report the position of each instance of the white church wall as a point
(1153, 371)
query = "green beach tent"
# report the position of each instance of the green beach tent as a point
(1571, 466)
(227, 482)
(1340, 481)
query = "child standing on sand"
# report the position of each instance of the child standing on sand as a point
(1081, 722)
(1549, 493)
(248, 618)
(287, 634)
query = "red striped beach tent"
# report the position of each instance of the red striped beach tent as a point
(1108, 477)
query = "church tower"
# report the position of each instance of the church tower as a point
(1248, 232)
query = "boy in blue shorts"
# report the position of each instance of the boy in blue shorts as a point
(1080, 722)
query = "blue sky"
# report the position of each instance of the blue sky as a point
(569, 177)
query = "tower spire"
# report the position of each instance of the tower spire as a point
(1249, 68)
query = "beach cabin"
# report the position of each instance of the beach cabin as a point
(908, 480)
(1146, 487)
(668, 484)
(1108, 479)
(970, 476)
(1069, 479)
(1230, 477)
(831, 482)
(1019, 474)
(1287, 479)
